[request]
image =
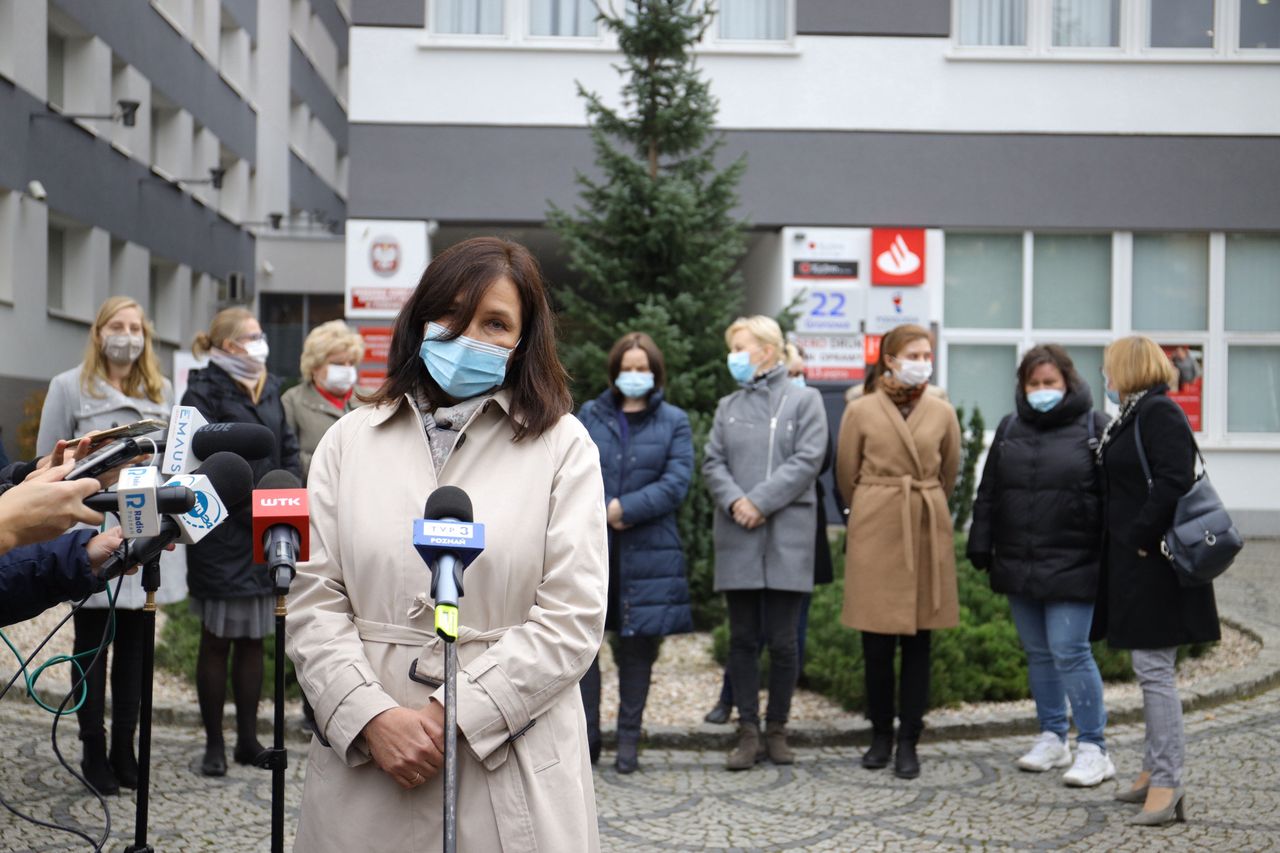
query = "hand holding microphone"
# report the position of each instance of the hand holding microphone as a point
(43, 507)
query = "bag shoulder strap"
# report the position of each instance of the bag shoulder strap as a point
(1142, 455)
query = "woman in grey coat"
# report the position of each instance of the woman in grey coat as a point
(763, 457)
(118, 383)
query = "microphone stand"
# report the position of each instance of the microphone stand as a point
(276, 759)
(150, 583)
(447, 630)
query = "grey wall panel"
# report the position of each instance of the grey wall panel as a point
(388, 13)
(331, 17)
(874, 17)
(310, 86)
(91, 182)
(507, 174)
(244, 13)
(308, 191)
(136, 32)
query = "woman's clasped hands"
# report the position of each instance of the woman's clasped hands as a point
(408, 743)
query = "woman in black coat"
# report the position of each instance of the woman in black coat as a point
(1141, 605)
(1037, 529)
(232, 596)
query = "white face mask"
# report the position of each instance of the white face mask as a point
(122, 349)
(913, 372)
(339, 378)
(257, 350)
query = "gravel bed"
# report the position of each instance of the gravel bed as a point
(686, 679)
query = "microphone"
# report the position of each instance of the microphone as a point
(183, 422)
(190, 441)
(140, 501)
(281, 526)
(449, 541)
(223, 482)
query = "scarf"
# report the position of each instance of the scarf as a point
(1127, 407)
(902, 395)
(240, 367)
(444, 424)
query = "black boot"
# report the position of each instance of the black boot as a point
(215, 758)
(123, 762)
(877, 757)
(96, 768)
(247, 752)
(719, 715)
(628, 760)
(906, 764)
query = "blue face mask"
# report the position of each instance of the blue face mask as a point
(1113, 395)
(463, 367)
(798, 381)
(634, 383)
(740, 366)
(1044, 399)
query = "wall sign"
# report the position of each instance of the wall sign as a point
(892, 306)
(385, 259)
(897, 256)
(832, 358)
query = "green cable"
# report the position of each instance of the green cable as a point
(30, 679)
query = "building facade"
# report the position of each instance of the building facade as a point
(191, 154)
(1081, 169)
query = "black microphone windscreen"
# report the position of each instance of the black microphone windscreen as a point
(279, 479)
(248, 441)
(230, 476)
(449, 502)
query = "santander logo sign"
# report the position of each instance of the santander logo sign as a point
(898, 255)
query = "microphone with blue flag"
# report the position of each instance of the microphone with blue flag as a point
(449, 540)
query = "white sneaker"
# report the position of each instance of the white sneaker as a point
(1092, 767)
(1047, 752)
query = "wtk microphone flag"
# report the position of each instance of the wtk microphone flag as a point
(281, 506)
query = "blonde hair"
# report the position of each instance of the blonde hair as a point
(1136, 363)
(225, 326)
(764, 329)
(325, 340)
(144, 375)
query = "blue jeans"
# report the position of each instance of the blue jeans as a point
(1060, 665)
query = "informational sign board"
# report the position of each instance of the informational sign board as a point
(385, 260)
(898, 256)
(892, 306)
(832, 358)
(377, 343)
(826, 270)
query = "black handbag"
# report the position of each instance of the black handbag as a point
(1202, 542)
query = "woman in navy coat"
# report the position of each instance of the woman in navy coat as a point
(646, 457)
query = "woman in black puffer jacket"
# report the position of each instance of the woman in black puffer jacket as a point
(1037, 528)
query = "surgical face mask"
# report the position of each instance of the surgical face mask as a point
(1113, 395)
(257, 350)
(1044, 399)
(122, 349)
(634, 383)
(463, 367)
(913, 372)
(339, 378)
(740, 366)
(798, 381)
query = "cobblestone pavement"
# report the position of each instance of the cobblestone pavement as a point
(969, 797)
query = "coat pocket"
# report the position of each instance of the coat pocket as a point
(537, 747)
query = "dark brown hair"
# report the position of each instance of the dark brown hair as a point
(1048, 354)
(456, 280)
(641, 341)
(892, 344)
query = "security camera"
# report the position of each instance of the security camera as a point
(215, 177)
(268, 268)
(276, 219)
(36, 190)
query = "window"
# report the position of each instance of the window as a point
(287, 318)
(983, 281)
(469, 17)
(54, 270)
(1180, 23)
(1170, 281)
(1088, 362)
(162, 298)
(1086, 23)
(56, 62)
(1071, 277)
(993, 22)
(9, 223)
(982, 375)
(1253, 283)
(1253, 389)
(753, 19)
(1259, 24)
(562, 17)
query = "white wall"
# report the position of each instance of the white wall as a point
(829, 82)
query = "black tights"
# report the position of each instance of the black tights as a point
(126, 673)
(246, 684)
(878, 651)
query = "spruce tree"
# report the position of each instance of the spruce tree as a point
(654, 242)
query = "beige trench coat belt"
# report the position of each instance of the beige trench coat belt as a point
(907, 483)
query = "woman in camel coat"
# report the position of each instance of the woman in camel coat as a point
(532, 616)
(899, 450)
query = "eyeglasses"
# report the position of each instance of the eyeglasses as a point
(248, 339)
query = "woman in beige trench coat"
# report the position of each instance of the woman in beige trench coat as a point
(475, 398)
(899, 450)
